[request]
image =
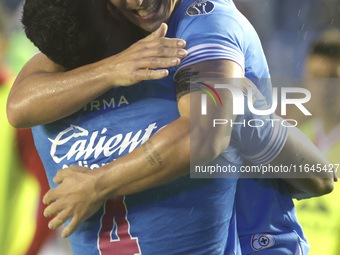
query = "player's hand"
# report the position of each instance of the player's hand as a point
(75, 197)
(139, 61)
(335, 176)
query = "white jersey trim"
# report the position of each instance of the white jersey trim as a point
(273, 148)
(210, 51)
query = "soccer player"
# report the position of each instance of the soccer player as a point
(228, 56)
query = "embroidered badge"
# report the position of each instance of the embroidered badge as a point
(261, 241)
(200, 7)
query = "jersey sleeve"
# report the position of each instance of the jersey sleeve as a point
(263, 136)
(261, 145)
(215, 35)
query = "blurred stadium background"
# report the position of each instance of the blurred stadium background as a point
(287, 28)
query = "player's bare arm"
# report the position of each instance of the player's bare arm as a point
(299, 150)
(44, 92)
(166, 156)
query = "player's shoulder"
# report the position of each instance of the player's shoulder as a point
(209, 9)
(206, 17)
(205, 7)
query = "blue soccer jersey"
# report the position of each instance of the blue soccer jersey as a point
(185, 216)
(217, 30)
(180, 217)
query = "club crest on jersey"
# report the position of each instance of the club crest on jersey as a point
(259, 242)
(200, 7)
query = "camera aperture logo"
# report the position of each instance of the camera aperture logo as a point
(204, 97)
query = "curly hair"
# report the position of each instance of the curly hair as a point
(73, 33)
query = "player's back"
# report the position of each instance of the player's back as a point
(184, 216)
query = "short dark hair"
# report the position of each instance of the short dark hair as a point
(73, 33)
(328, 44)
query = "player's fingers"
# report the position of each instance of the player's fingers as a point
(163, 52)
(335, 176)
(160, 32)
(74, 224)
(53, 208)
(58, 220)
(50, 197)
(165, 42)
(147, 74)
(155, 62)
(58, 178)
